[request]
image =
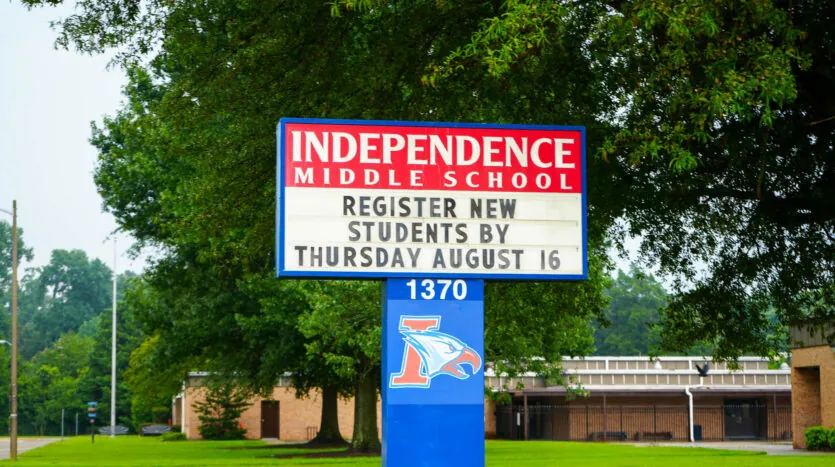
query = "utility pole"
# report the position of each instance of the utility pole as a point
(113, 356)
(13, 414)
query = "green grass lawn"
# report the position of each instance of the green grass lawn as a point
(134, 451)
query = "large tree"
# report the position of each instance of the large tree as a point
(96, 383)
(277, 333)
(635, 300)
(189, 163)
(49, 382)
(343, 326)
(61, 296)
(724, 142)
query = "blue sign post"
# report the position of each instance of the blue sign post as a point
(433, 378)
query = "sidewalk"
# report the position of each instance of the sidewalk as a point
(23, 445)
(770, 448)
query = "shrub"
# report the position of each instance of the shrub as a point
(832, 439)
(220, 412)
(174, 436)
(176, 428)
(817, 437)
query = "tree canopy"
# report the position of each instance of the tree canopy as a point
(635, 299)
(188, 165)
(65, 339)
(709, 123)
(723, 136)
(64, 294)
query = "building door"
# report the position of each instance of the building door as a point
(744, 418)
(269, 419)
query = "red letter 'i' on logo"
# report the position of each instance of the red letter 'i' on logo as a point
(409, 375)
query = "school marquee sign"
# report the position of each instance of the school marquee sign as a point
(407, 199)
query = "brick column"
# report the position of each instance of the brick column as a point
(806, 402)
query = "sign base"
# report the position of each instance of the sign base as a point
(433, 378)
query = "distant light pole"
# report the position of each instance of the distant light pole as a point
(113, 356)
(13, 408)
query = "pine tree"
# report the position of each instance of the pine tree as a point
(220, 412)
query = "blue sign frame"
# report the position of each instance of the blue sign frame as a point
(281, 271)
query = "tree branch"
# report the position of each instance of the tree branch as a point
(818, 122)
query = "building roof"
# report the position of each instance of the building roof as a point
(641, 374)
(635, 390)
(665, 374)
(811, 335)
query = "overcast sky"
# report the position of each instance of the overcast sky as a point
(48, 98)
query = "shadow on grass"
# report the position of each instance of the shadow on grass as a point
(324, 454)
(307, 445)
(317, 450)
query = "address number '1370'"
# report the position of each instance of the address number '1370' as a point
(430, 289)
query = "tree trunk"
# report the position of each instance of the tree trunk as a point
(329, 425)
(365, 415)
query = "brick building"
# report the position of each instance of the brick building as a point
(634, 398)
(629, 398)
(281, 416)
(813, 379)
